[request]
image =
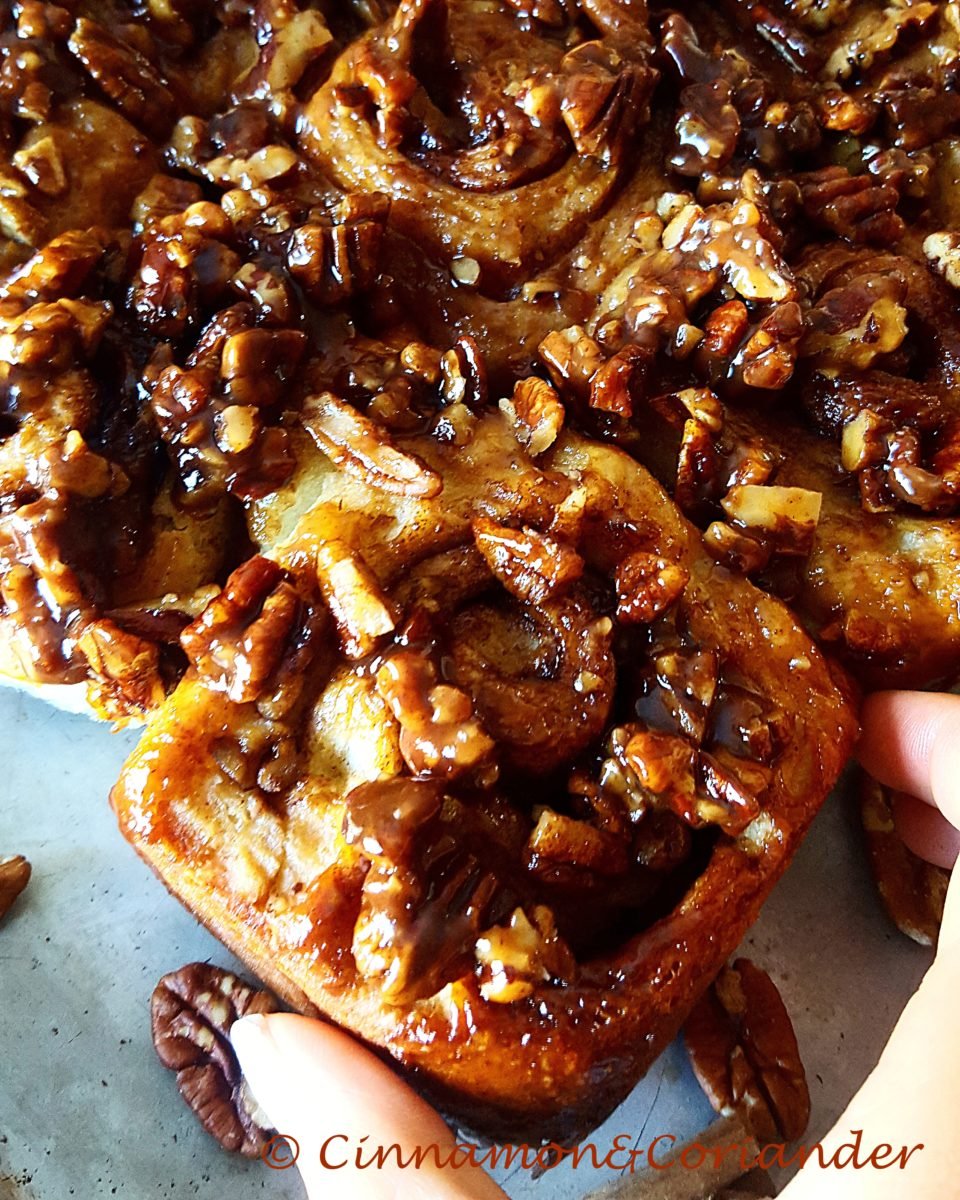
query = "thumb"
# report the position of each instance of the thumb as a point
(340, 1106)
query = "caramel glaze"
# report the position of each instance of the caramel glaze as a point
(368, 835)
(333, 338)
(380, 168)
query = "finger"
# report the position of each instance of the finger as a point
(339, 1102)
(911, 742)
(926, 831)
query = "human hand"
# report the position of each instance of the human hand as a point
(322, 1088)
(911, 742)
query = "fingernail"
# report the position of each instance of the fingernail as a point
(252, 1041)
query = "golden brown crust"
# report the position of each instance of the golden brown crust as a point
(272, 877)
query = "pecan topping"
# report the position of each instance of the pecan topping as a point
(191, 1013)
(559, 840)
(784, 517)
(421, 910)
(532, 566)
(647, 585)
(337, 259)
(744, 1053)
(943, 250)
(14, 877)
(853, 206)
(439, 734)
(365, 450)
(517, 958)
(125, 75)
(238, 640)
(126, 667)
(912, 891)
(363, 613)
(536, 413)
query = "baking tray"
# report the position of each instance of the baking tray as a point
(87, 1111)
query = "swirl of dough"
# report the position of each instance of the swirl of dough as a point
(496, 143)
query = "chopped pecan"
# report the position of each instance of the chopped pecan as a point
(59, 269)
(54, 335)
(559, 840)
(239, 638)
(736, 549)
(164, 196)
(439, 733)
(531, 565)
(833, 400)
(289, 43)
(840, 112)
(191, 1012)
(619, 381)
(463, 374)
(663, 764)
(707, 129)
(907, 479)
(382, 818)
(697, 467)
(852, 325)
(875, 35)
(41, 161)
(647, 585)
(536, 413)
(723, 333)
(127, 668)
(14, 877)
(365, 450)
(744, 1053)
(424, 900)
(257, 364)
(572, 358)
(517, 958)
(768, 356)
(943, 251)
(913, 891)
(733, 788)
(267, 290)
(688, 679)
(603, 97)
(362, 612)
(733, 241)
(785, 517)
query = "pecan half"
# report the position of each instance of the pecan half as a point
(744, 1053)
(913, 891)
(531, 565)
(191, 1012)
(14, 877)
(536, 413)
(365, 450)
(125, 75)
